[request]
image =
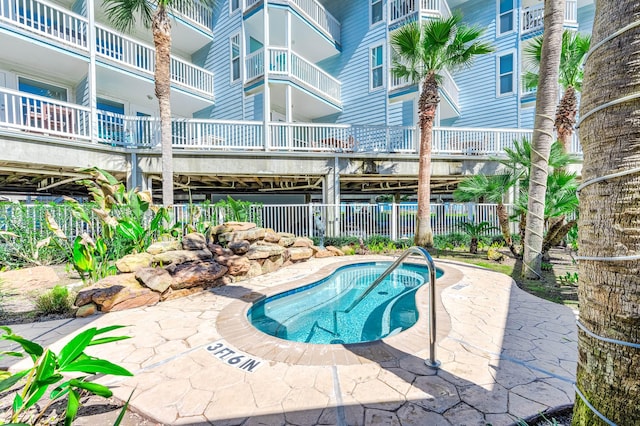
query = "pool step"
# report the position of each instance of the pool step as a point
(318, 329)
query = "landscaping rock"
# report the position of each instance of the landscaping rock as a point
(164, 246)
(272, 264)
(86, 310)
(218, 250)
(194, 274)
(494, 254)
(194, 241)
(133, 262)
(117, 292)
(156, 279)
(264, 251)
(303, 242)
(250, 235)
(335, 250)
(237, 265)
(27, 279)
(214, 231)
(287, 241)
(323, 253)
(171, 294)
(240, 226)
(239, 247)
(255, 270)
(299, 253)
(270, 236)
(286, 235)
(181, 256)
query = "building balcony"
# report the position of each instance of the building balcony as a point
(194, 12)
(448, 88)
(308, 80)
(29, 116)
(404, 10)
(311, 11)
(532, 18)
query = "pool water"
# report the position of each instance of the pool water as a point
(315, 313)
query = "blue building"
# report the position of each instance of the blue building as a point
(268, 97)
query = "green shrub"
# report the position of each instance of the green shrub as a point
(337, 241)
(348, 250)
(58, 300)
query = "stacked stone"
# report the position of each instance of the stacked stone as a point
(231, 252)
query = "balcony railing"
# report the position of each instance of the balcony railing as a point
(532, 18)
(296, 68)
(400, 10)
(313, 11)
(47, 19)
(134, 54)
(23, 112)
(448, 85)
(195, 12)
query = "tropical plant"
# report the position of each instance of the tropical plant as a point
(421, 52)
(49, 369)
(155, 14)
(475, 231)
(575, 46)
(491, 189)
(235, 210)
(608, 291)
(542, 136)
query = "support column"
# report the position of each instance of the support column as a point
(266, 92)
(134, 175)
(91, 74)
(288, 99)
(331, 196)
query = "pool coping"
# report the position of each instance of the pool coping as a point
(233, 326)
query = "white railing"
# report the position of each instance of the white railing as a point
(296, 68)
(451, 88)
(250, 3)
(25, 112)
(141, 57)
(532, 18)
(320, 16)
(472, 141)
(195, 12)
(46, 18)
(218, 134)
(402, 9)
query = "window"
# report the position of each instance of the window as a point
(505, 74)
(234, 5)
(42, 89)
(505, 16)
(376, 68)
(376, 11)
(235, 57)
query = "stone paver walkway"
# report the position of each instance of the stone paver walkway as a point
(505, 355)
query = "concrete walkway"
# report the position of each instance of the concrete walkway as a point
(505, 355)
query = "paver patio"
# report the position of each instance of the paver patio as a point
(505, 355)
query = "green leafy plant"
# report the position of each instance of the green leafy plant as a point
(475, 231)
(48, 371)
(545, 266)
(58, 300)
(569, 278)
(235, 210)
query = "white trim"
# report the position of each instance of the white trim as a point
(514, 10)
(70, 93)
(371, 47)
(234, 11)
(382, 17)
(514, 83)
(239, 58)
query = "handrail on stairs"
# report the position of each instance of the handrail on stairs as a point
(431, 362)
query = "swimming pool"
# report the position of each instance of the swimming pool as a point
(322, 312)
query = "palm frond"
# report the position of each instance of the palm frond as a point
(124, 14)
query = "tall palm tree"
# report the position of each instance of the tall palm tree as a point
(154, 14)
(421, 53)
(574, 48)
(609, 224)
(490, 189)
(542, 136)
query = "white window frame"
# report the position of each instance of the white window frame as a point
(371, 3)
(514, 83)
(232, 42)
(371, 67)
(231, 9)
(498, 20)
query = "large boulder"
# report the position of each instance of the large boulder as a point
(194, 274)
(271, 236)
(194, 241)
(240, 226)
(299, 253)
(117, 292)
(237, 265)
(303, 242)
(287, 241)
(164, 246)
(262, 250)
(335, 250)
(218, 250)
(323, 253)
(250, 235)
(133, 262)
(181, 256)
(272, 264)
(157, 279)
(239, 247)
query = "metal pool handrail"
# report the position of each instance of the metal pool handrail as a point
(431, 362)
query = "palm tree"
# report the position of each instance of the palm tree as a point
(574, 48)
(490, 189)
(475, 231)
(421, 53)
(154, 14)
(609, 225)
(542, 136)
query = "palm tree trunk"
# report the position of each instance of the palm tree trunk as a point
(543, 136)
(566, 117)
(609, 224)
(427, 106)
(161, 26)
(503, 220)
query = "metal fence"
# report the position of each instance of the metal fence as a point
(395, 221)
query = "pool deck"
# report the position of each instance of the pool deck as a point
(505, 355)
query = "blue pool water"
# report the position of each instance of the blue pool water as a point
(315, 313)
